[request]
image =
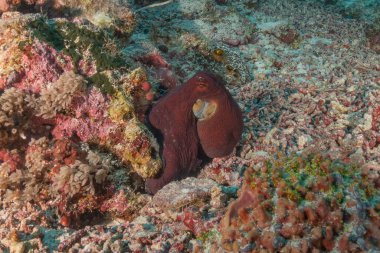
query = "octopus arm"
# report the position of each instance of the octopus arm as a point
(170, 173)
(156, 117)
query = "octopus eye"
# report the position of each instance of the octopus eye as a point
(201, 83)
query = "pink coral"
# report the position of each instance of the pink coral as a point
(11, 158)
(84, 128)
(41, 64)
(90, 121)
(118, 204)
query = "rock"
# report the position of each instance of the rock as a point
(185, 192)
(17, 247)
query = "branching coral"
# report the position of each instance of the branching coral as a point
(57, 97)
(15, 113)
(306, 202)
(12, 107)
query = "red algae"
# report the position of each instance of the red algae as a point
(41, 64)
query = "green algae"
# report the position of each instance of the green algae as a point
(80, 39)
(299, 173)
(47, 31)
(103, 83)
(208, 235)
(77, 40)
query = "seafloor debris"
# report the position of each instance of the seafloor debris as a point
(114, 16)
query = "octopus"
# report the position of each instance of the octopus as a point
(195, 119)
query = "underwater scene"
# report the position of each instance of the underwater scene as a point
(189, 126)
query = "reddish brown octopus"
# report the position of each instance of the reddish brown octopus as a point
(198, 117)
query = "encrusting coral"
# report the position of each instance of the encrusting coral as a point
(303, 203)
(66, 98)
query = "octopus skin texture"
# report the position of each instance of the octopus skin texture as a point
(198, 117)
(219, 125)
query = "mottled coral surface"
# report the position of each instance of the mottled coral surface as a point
(302, 204)
(71, 138)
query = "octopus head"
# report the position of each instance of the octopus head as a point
(205, 85)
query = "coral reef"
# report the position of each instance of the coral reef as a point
(302, 203)
(76, 84)
(66, 98)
